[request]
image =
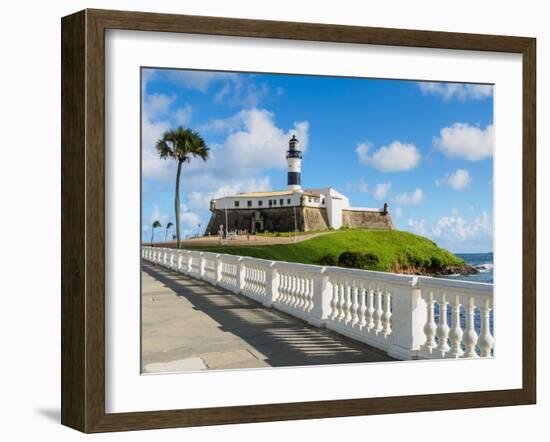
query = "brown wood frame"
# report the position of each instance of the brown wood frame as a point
(83, 218)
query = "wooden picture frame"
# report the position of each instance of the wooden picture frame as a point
(83, 220)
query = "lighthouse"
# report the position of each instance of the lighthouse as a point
(294, 163)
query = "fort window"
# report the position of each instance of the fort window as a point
(249, 203)
(323, 202)
(281, 202)
(260, 202)
(236, 223)
(236, 203)
(274, 202)
(270, 203)
(288, 201)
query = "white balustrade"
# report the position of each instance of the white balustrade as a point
(469, 334)
(299, 291)
(255, 278)
(409, 317)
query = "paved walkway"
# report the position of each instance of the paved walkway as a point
(240, 240)
(191, 325)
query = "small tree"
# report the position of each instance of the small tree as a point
(181, 144)
(167, 228)
(155, 225)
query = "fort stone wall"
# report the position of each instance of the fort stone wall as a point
(355, 219)
(287, 219)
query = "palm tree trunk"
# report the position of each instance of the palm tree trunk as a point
(152, 233)
(177, 203)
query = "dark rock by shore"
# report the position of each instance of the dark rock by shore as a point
(464, 269)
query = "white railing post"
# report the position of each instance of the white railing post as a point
(409, 314)
(241, 272)
(218, 270)
(188, 263)
(322, 293)
(272, 285)
(201, 265)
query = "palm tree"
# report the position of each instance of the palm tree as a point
(181, 144)
(155, 225)
(167, 227)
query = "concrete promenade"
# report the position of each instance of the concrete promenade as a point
(189, 324)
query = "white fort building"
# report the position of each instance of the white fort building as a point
(293, 208)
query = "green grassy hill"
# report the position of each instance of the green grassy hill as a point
(371, 249)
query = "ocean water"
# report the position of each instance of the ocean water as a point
(483, 262)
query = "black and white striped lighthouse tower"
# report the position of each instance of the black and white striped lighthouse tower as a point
(294, 163)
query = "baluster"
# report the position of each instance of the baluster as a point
(430, 327)
(485, 341)
(260, 281)
(342, 301)
(293, 290)
(442, 330)
(334, 301)
(386, 317)
(362, 307)
(348, 304)
(282, 285)
(355, 304)
(305, 300)
(299, 292)
(378, 312)
(287, 288)
(370, 309)
(307, 293)
(455, 334)
(470, 335)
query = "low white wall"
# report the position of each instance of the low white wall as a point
(392, 312)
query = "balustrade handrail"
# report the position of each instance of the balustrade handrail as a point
(393, 312)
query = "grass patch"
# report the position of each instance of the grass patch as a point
(381, 250)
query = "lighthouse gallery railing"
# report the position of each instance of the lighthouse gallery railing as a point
(409, 317)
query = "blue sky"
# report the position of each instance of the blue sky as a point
(424, 148)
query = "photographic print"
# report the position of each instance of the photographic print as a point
(295, 220)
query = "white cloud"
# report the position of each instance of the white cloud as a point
(457, 180)
(190, 220)
(183, 115)
(240, 91)
(415, 197)
(460, 91)
(158, 117)
(395, 157)
(254, 143)
(381, 190)
(456, 228)
(157, 106)
(152, 165)
(360, 186)
(418, 227)
(464, 141)
(196, 80)
(157, 215)
(200, 199)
